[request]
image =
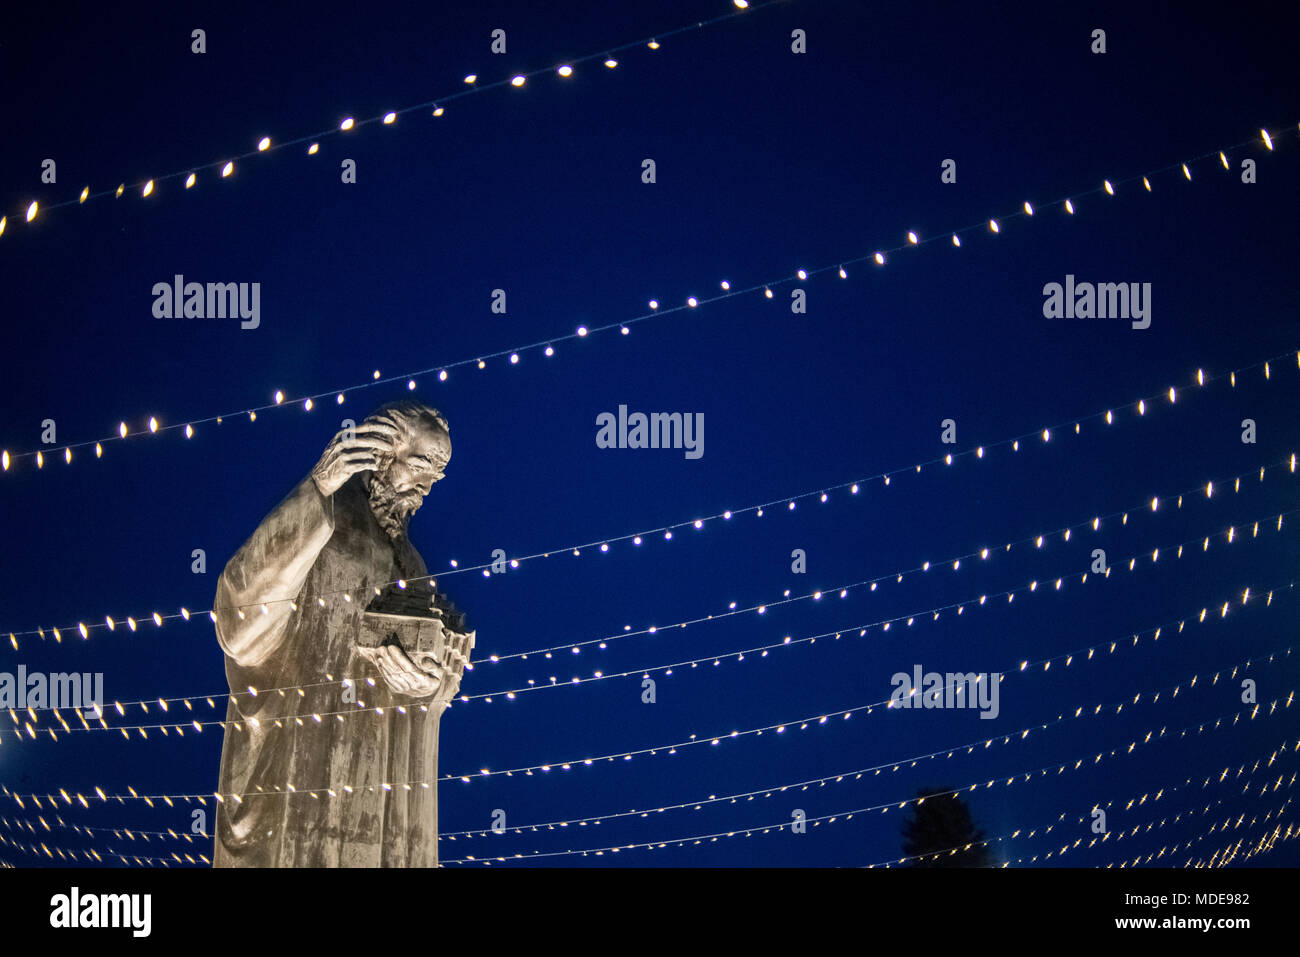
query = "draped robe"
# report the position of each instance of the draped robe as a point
(314, 547)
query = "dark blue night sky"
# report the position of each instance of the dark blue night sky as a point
(767, 162)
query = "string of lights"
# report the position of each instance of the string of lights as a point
(19, 824)
(934, 614)
(1151, 503)
(1041, 831)
(76, 855)
(1141, 828)
(804, 723)
(471, 85)
(815, 821)
(1148, 827)
(1227, 855)
(1169, 850)
(1066, 657)
(546, 347)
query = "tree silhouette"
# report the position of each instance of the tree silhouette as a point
(938, 823)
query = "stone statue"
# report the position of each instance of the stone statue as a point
(296, 609)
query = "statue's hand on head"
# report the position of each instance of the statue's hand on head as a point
(352, 451)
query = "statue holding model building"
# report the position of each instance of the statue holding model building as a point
(327, 596)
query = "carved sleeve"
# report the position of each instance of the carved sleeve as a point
(270, 570)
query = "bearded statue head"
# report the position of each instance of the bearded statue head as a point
(401, 479)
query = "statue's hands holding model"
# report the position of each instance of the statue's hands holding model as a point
(330, 602)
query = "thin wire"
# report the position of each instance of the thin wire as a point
(1031, 586)
(461, 93)
(586, 332)
(808, 820)
(1018, 734)
(726, 515)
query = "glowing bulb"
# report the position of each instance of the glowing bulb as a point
(148, 188)
(313, 149)
(611, 63)
(31, 211)
(121, 188)
(471, 78)
(307, 405)
(582, 330)
(653, 44)
(1109, 188)
(956, 240)
(279, 397)
(802, 274)
(438, 111)
(442, 375)
(1069, 207)
(993, 225)
(880, 259)
(514, 358)
(1187, 173)
(692, 302)
(189, 431)
(227, 169)
(1223, 159)
(766, 291)
(85, 194)
(565, 70)
(4, 460)
(410, 385)
(346, 124)
(153, 424)
(1029, 209)
(1146, 183)
(121, 429)
(99, 450)
(911, 237)
(843, 274)
(40, 460)
(389, 118)
(517, 81)
(741, 4)
(189, 180)
(1268, 140)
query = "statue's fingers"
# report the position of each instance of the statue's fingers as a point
(359, 462)
(380, 423)
(366, 442)
(392, 670)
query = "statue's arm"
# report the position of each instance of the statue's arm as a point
(270, 570)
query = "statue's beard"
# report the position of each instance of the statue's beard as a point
(392, 509)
